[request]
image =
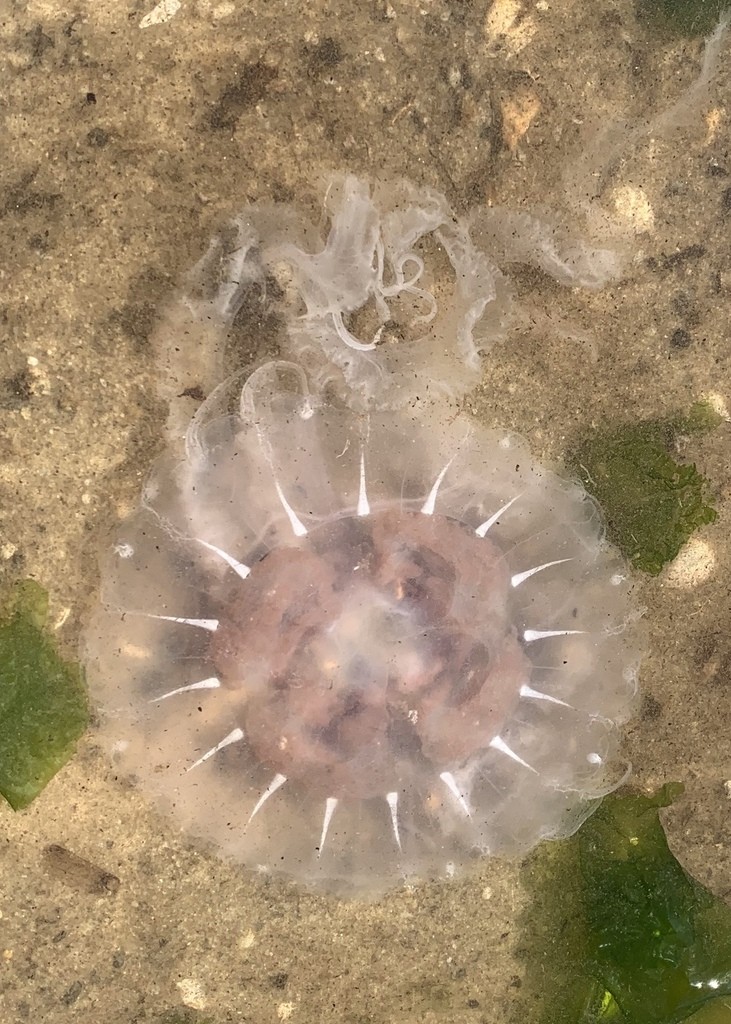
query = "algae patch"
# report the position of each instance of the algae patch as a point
(619, 931)
(651, 502)
(686, 17)
(184, 1017)
(43, 707)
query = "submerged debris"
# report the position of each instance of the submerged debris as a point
(78, 873)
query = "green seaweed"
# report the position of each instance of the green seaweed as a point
(43, 707)
(685, 17)
(619, 931)
(652, 504)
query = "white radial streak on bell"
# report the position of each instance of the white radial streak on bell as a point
(428, 507)
(530, 694)
(210, 624)
(273, 786)
(392, 801)
(212, 683)
(499, 744)
(484, 527)
(298, 527)
(363, 504)
(451, 783)
(330, 804)
(235, 736)
(238, 567)
(531, 635)
(520, 577)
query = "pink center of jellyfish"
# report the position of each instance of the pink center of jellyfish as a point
(375, 652)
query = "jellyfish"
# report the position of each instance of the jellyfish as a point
(351, 636)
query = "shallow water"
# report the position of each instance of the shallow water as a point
(128, 146)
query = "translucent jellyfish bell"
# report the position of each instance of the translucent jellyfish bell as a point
(358, 648)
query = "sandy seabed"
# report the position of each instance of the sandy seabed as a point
(127, 140)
